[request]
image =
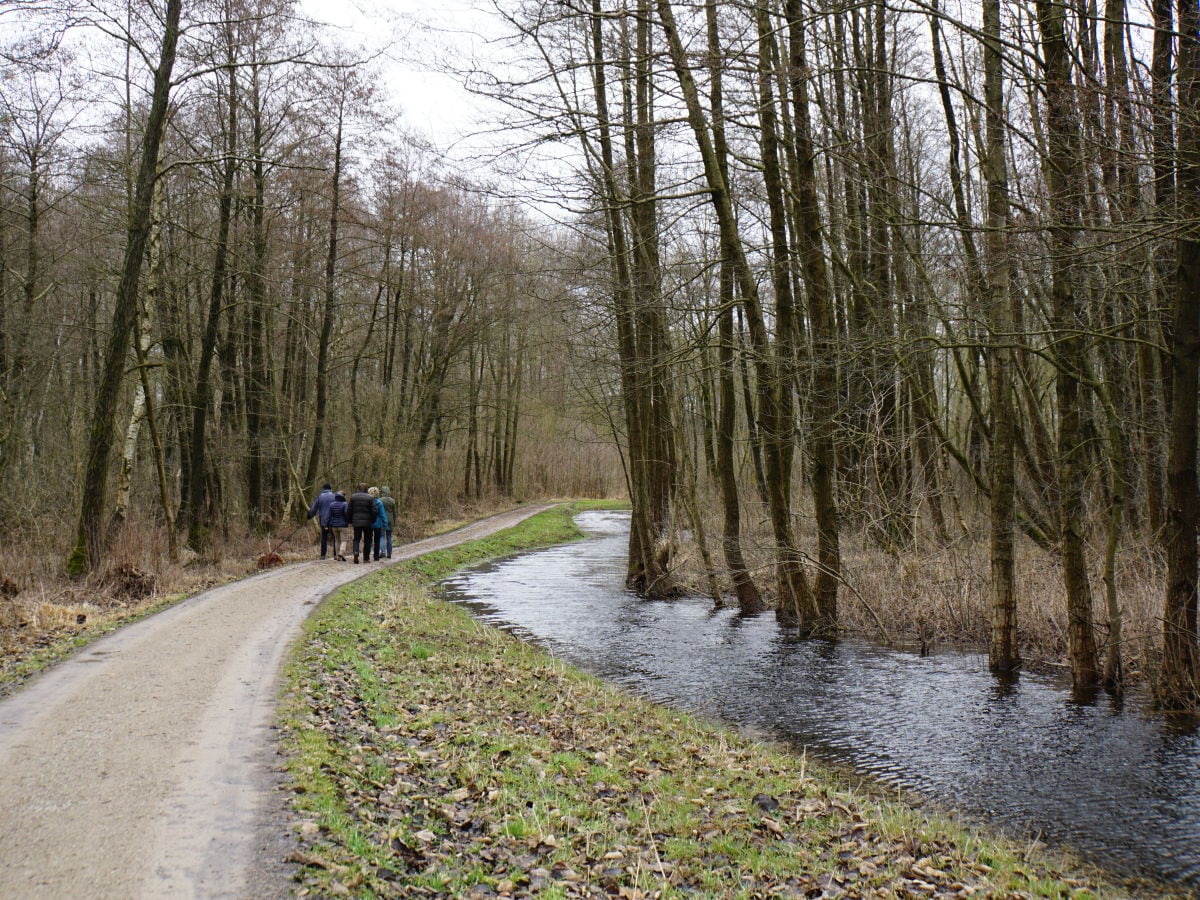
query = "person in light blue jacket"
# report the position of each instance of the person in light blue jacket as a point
(381, 523)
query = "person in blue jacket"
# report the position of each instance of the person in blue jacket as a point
(339, 518)
(320, 509)
(381, 524)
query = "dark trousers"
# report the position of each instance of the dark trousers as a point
(366, 534)
(326, 537)
(376, 537)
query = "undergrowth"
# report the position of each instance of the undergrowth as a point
(45, 616)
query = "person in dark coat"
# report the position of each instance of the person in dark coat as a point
(362, 519)
(339, 518)
(320, 509)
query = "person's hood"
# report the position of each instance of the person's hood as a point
(385, 492)
(339, 496)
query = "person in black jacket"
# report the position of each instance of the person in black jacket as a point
(362, 518)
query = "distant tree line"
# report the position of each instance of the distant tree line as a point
(227, 274)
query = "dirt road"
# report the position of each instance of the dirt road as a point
(145, 766)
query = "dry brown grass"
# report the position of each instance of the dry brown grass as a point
(137, 576)
(938, 594)
(41, 606)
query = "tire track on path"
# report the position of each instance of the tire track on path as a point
(146, 764)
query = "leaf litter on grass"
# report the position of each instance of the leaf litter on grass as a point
(482, 767)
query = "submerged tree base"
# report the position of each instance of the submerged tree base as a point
(435, 756)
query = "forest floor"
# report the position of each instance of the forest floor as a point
(46, 616)
(430, 755)
(146, 763)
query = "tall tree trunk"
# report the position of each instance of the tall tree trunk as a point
(744, 588)
(260, 431)
(659, 453)
(141, 348)
(320, 411)
(796, 594)
(747, 593)
(1065, 181)
(824, 398)
(630, 276)
(199, 511)
(748, 597)
(1163, 155)
(1004, 655)
(1180, 687)
(891, 522)
(1118, 491)
(796, 607)
(474, 390)
(89, 540)
(622, 289)
(137, 415)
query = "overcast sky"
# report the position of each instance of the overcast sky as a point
(420, 41)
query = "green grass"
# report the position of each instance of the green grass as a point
(431, 753)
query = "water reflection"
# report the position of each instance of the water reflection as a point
(1120, 787)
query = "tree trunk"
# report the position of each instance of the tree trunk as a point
(796, 596)
(748, 597)
(320, 411)
(824, 398)
(1064, 182)
(1004, 656)
(659, 453)
(1162, 131)
(137, 415)
(89, 541)
(1180, 687)
(640, 346)
(622, 293)
(199, 512)
(156, 442)
(260, 424)
(795, 607)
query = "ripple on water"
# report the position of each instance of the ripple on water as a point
(1121, 787)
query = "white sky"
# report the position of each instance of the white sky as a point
(420, 41)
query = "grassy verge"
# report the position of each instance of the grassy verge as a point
(434, 756)
(53, 647)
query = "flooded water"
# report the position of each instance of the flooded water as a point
(1120, 787)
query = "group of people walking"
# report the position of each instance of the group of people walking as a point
(370, 511)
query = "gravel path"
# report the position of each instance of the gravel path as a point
(145, 765)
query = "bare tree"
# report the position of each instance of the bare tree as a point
(89, 542)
